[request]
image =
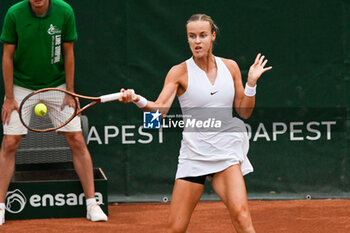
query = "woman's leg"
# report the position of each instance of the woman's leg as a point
(185, 197)
(230, 187)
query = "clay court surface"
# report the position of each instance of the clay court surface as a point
(309, 216)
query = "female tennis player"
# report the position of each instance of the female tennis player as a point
(206, 81)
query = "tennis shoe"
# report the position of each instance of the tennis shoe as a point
(2, 216)
(95, 213)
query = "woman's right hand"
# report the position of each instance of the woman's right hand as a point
(128, 96)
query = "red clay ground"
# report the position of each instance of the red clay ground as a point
(306, 216)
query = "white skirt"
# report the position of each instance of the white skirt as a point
(207, 153)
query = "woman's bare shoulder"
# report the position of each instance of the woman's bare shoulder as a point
(178, 71)
(231, 64)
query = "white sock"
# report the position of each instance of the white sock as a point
(90, 201)
(2, 205)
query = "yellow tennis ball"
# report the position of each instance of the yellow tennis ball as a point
(40, 109)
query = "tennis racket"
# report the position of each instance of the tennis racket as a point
(62, 106)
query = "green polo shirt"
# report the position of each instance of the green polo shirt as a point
(38, 60)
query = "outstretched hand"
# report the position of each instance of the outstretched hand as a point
(257, 69)
(128, 96)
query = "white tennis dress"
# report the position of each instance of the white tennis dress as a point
(210, 150)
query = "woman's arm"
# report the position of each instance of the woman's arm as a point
(244, 101)
(174, 81)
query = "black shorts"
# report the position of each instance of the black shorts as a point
(198, 179)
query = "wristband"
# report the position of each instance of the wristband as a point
(249, 91)
(142, 102)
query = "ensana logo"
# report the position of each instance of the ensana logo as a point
(15, 201)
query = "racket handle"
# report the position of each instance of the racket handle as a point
(110, 97)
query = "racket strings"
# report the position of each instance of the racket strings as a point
(58, 110)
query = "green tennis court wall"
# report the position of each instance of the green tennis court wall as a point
(133, 44)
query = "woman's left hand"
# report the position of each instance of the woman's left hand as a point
(257, 69)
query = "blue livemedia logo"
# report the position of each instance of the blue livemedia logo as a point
(151, 120)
